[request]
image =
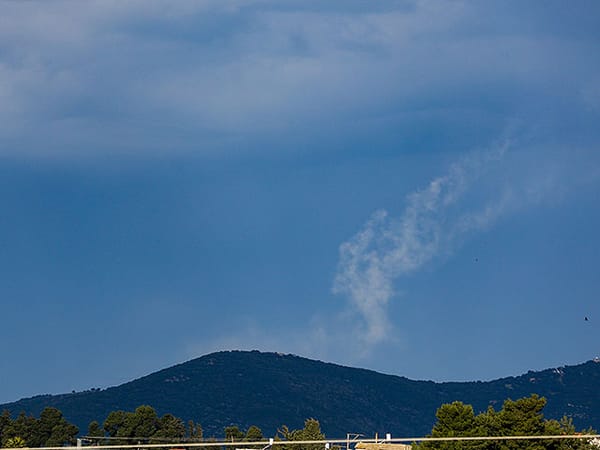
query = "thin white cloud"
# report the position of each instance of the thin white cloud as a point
(432, 224)
(476, 192)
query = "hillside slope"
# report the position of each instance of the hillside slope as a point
(270, 389)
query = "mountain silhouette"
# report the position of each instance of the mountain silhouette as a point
(271, 389)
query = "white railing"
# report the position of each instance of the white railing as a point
(325, 443)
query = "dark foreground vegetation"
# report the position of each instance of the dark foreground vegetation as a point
(142, 426)
(523, 417)
(49, 430)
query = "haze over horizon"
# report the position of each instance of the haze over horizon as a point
(406, 186)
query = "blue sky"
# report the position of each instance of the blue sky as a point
(406, 186)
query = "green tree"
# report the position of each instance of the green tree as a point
(453, 420)
(253, 434)
(521, 417)
(42, 429)
(234, 434)
(96, 432)
(194, 431)
(23, 426)
(140, 425)
(144, 425)
(113, 422)
(565, 426)
(310, 432)
(170, 427)
(5, 421)
(94, 429)
(52, 430)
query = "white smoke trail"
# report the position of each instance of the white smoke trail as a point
(387, 248)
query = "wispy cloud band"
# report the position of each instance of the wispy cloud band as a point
(432, 223)
(193, 76)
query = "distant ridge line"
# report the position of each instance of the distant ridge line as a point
(271, 389)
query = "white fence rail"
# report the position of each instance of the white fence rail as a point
(325, 443)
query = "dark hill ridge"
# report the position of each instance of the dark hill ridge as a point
(271, 389)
